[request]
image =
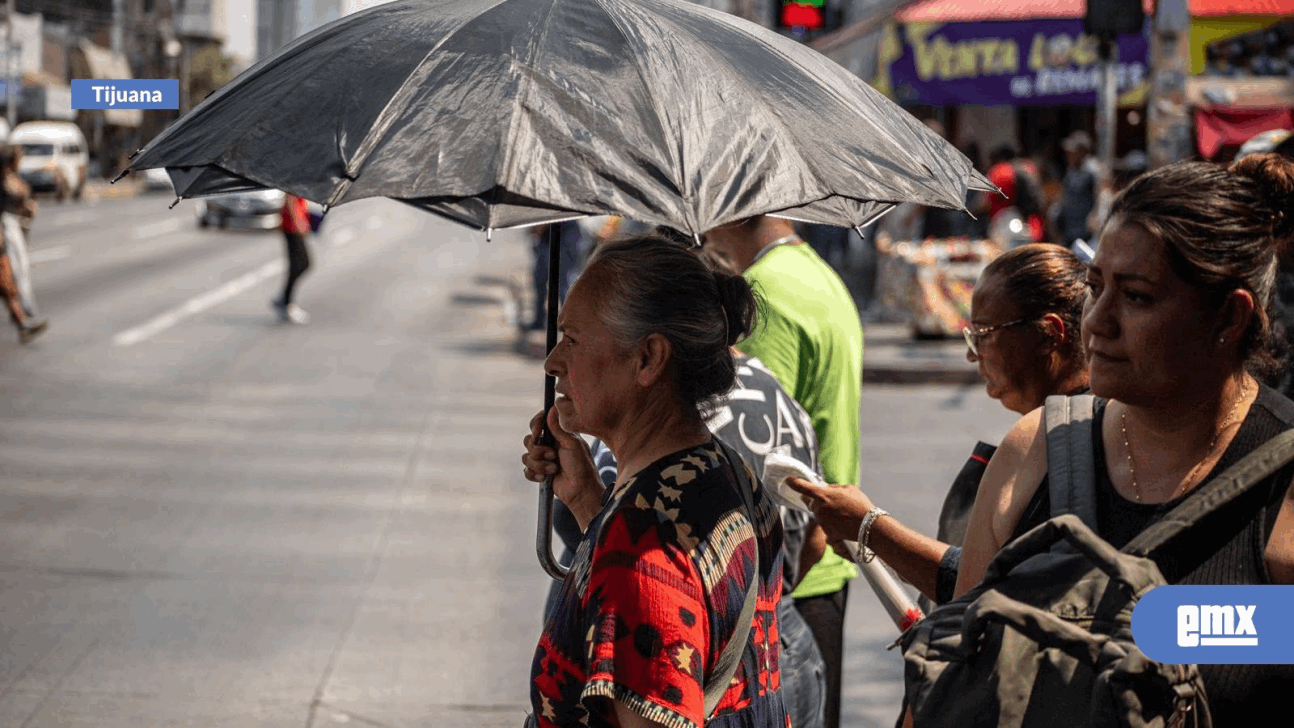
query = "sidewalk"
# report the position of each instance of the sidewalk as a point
(892, 356)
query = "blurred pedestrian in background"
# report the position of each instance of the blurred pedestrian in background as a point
(1021, 191)
(295, 222)
(18, 211)
(811, 338)
(1079, 189)
(9, 292)
(570, 247)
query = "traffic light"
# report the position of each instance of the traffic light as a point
(1113, 17)
(803, 15)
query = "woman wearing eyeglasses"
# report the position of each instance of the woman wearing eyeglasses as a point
(1025, 314)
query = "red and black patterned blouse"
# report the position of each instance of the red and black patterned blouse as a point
(653, 597)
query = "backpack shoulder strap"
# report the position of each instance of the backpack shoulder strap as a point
(726, 664)
(1071, 472)
(1235, 482)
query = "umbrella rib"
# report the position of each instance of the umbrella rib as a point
(777, 121)
(505, 180)
(830, 90)
(660, 117)
(389, 113)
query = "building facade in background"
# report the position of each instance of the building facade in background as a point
(278, 22)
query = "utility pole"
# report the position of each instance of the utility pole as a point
(1107, 20)
(1107, 100)
(114, 38)
(11, 87)
(1168, 120)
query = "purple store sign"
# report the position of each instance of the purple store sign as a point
(1003, 63)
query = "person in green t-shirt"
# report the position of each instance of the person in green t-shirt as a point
(811, 339)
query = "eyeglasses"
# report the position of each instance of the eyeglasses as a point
(974, 336)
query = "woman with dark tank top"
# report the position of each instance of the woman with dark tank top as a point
(1177, 330)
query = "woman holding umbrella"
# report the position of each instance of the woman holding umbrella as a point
(658, 591)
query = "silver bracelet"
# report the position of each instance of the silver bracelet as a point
(865, 554)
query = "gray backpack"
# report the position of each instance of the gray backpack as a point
(1045, 639)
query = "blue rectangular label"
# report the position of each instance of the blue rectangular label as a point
(1216, 625)
(127, 93)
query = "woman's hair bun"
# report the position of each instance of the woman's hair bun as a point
(1273, 175)
(738, 301)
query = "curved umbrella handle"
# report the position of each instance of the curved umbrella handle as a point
(544, 532)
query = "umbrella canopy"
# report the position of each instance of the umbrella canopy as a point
(500, 113)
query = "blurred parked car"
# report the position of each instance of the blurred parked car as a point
(259, 208)
(54, 156)
(157, 180)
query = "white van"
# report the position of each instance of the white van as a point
(54, 156)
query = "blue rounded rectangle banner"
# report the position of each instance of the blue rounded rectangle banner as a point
(128, 93)
(1216, 625)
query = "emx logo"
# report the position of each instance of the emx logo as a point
(1216, 625)
(1211, 625)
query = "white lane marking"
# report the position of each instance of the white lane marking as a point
(62, 218)
(200, 303)
(157, 228)
(45, 255)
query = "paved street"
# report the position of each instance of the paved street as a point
(211, 519)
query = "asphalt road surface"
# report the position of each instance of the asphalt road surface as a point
(209, 518)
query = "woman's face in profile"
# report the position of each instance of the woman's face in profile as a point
(595, 379)
(1147, 332)
(1008, 359)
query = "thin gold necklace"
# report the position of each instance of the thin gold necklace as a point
(1132, 468)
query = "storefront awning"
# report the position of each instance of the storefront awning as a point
(101, 63)
(963, 11)
(1218, 127)
(1224, 8)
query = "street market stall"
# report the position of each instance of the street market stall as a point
(929, 283)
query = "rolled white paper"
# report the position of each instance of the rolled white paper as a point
(778, 467)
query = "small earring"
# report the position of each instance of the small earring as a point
(1222, 339)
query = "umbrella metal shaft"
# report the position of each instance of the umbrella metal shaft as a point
(544, 532)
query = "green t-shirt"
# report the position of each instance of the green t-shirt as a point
(809, 336)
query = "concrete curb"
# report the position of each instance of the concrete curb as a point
(883, 374)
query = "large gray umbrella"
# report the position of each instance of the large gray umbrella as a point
(502, 113)
(498, 113)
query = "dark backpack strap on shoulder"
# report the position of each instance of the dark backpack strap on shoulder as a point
(1071, 470)
(1235, 482)
(726, 664)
